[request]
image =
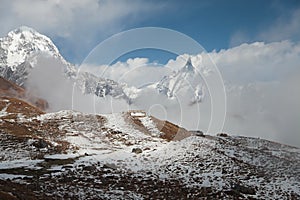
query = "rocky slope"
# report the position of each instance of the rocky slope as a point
(72, 155)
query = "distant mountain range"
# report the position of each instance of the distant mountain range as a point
(21, 47)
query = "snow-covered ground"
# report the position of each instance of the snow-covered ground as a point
(123, 149)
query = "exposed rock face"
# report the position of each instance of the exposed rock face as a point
(137, 150)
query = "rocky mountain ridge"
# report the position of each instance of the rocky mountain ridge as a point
(21, 48)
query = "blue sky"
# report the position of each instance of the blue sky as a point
(78, 26)
(215, 24)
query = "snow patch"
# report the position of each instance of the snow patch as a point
(138, 114)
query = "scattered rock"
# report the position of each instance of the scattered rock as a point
(198, 133)
(89, 168)
(110, 166)
(40, 144)
(244, 189)
(137, 150)
(222, 134)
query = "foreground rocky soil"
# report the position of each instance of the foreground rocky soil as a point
(71, 155)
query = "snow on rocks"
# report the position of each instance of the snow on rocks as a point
(4, 176)
(3, 112)
(19, 163)
(137, 114)
(116, 151)
(149, 124)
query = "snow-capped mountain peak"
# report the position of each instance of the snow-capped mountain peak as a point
(22, 43)
(186, 79)
(19, 53)
(188, 66)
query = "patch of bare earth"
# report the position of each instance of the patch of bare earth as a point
(170, 131)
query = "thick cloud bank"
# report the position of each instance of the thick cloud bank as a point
(47, 80)
(262, 90)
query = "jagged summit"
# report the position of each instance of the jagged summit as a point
(23, 29)
(188, 66)
(18, 53)
(182, 81)
(22, 43)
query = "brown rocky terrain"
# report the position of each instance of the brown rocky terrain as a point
(9, 89)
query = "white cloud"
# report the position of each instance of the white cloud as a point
(136, 72)
(47, 80)
(65, 17)
(283, 28)
(262, 89)
(258, 61)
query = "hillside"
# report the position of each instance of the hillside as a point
(132, 155)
